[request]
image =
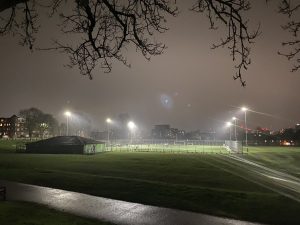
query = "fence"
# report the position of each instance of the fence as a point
(234, 146)
(172, 146)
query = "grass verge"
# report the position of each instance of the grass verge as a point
(286, 159)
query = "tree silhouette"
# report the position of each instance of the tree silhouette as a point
(38, 121)
(290, 9)
(105, 28)
(32, 118)
(238, 37)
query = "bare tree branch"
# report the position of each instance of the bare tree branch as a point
(238, 37)
(22, 20)
(291, 8)
(106, 28)
(102, 30)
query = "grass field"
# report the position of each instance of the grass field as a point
(170, 148)
(194, 182)
(21, 213)
(285, 159)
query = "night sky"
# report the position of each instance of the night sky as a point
(189, 87)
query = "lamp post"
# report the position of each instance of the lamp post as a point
(108, 122)
(68, 114)
(131, 125)
(234, 119)
(244, 109)
(229, 124)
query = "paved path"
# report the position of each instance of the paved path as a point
(109, 210)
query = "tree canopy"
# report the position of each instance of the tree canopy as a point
(108, 27)
(38, 121)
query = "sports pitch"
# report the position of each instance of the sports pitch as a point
(170, 148)
(190, 180)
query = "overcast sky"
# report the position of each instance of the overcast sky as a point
(196, 81)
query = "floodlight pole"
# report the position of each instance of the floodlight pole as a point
(67, 125)
(68, 114)
(108, 122)
(235, 129)
(246, 128)
(107, 133)
(246, 139)
(131, 127)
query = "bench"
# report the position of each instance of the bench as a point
(2, 193)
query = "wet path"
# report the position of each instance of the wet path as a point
(109, 210)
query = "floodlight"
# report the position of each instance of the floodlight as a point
(228, 124)
(244, 109)
(108, 120)
(68, 113)
(234, 118)
(131, 125)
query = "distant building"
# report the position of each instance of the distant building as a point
(66, 145)
(201, 135)
(12, 127)
(164, 131)
(178, 134)
(161, 131)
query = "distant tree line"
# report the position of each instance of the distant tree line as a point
(288, 136)
(39, 124)
(257, 136)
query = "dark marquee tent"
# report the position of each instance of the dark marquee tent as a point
(66, 145)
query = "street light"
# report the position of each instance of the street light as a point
(131, 125)
(234, 119)
(108, 122)
(244, 109)
(229, 124)
(68, 114)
